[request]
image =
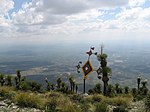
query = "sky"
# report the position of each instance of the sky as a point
(63, 20)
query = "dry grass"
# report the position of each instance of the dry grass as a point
(26, 99)
(7, 92)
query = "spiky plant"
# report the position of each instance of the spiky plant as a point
(144, 89)
(105, 71)
(71, 83)
(97, 88)
(111, 90)
(59, 82)
(117, 88)
(126, 89)
(144, 83)
(8, 80)
(76, 88)
(48, 84)
(18, 73)
(16, 82)
(2, 79)
(52, 86)
(138, 82)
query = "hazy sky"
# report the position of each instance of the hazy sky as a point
(40, 20)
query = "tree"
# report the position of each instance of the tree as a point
(105, 71)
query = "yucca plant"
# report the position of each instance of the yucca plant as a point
(76, 88)
(2, 79)
(71, 83)
(18, 73)
(105, 71)
(111, 90)
(117, 88)
(97, 88)
(138, 82)
(59, 82)
(48, 84)
(16, 82)
(126, 89)
(8, 80)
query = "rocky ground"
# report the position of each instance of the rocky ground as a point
(137, 106)
(8, 106)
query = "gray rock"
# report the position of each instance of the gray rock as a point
(3, 104)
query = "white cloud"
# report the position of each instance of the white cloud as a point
(5, 6)
(136, 3)
(73, 16)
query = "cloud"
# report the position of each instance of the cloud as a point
(136, 3)
(74, 16)
(5, 7)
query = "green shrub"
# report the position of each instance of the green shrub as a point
(101, 107)
(96, 98)
(120, 109)
(25, 86)
(76, 97)
(28, 100)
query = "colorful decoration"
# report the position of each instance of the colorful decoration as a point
(87, 68)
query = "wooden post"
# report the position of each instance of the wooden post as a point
(84, 85)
